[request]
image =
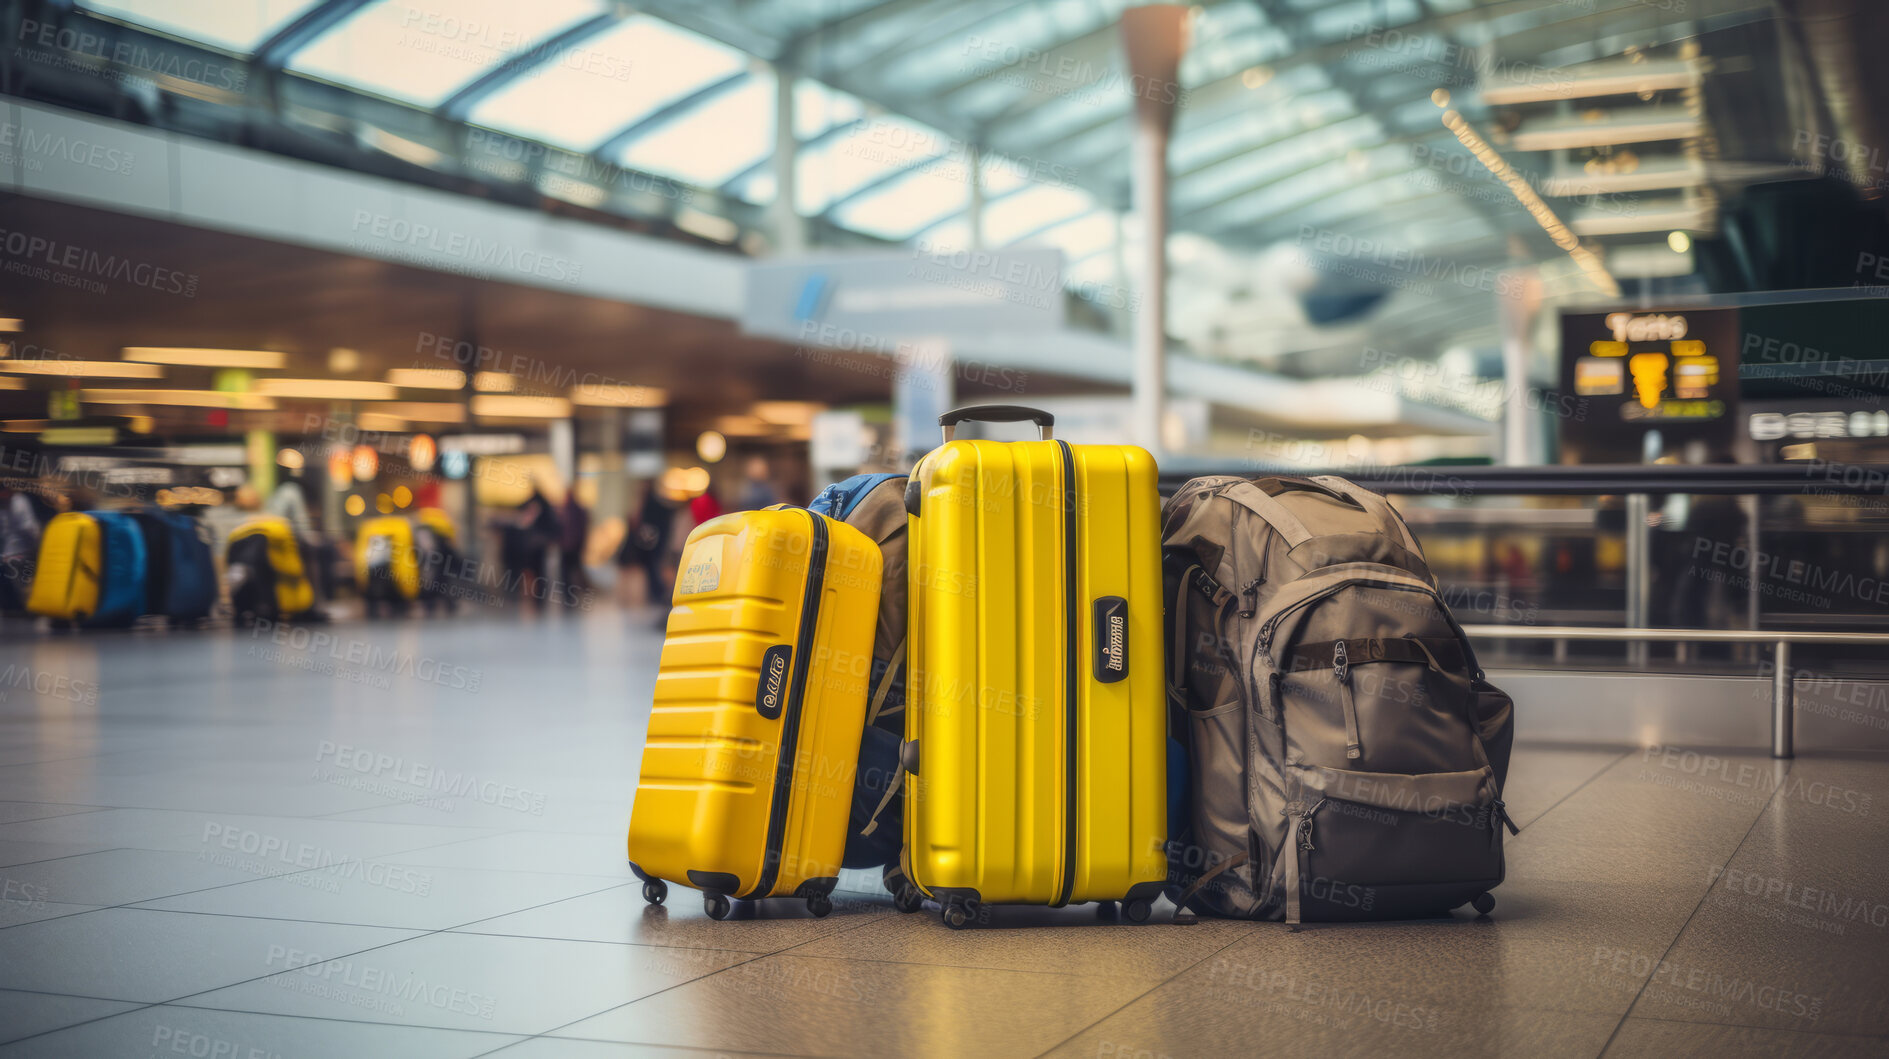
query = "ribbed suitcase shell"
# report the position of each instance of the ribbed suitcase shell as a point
(730, 800)
(66, 577)
(1026, 793)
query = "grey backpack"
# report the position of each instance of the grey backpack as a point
(1343, 755)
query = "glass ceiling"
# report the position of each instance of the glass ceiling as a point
(233, 25)
(1286, 116)
(407, 51)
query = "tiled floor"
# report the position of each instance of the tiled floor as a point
(407, 839)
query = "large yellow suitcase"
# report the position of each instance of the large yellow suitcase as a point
(1036, 722)
(286, 578)
(65, 579)
(760, 702)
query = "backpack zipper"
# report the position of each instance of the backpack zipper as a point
(1341, 668)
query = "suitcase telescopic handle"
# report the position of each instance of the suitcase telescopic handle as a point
(997, 413)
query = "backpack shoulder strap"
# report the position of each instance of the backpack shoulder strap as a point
(1263, 504)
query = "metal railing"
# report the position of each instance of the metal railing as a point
(1783, 679)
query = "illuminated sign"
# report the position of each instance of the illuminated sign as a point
(1649, 377)
(1773, 426)
(1646, 327)
(1599, 377)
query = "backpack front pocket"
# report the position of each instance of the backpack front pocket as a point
(1372, 845)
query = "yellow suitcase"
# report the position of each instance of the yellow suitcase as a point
(1036, 717)
(437, 520)
(388, 541)
(294, 593)
(65, 579)
(760, 702)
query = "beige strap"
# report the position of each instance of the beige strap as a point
(1261, 503)
(1188, 894)
(872, 825)
(885, 683)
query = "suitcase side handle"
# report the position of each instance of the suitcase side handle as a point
(997, 413)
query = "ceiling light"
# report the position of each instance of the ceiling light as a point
(244, 402)
(325, 389)
(8, 382)
(619, 395)
(423, 411)
(96, 369)
(1532, 203)
(520, 407)
(427, 378)
(341, 360)
(711, 446)
(1679, 241)
(12, 323)
(786, 413)
(208, 358)
(494, 382)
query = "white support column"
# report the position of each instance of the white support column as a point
(1156, 38)
(789, 228)
(974, 210)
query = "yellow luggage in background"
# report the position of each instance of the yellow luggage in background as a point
(1036, 715)
(385, 564)
(66, 575)
(267, 576)
(440, 523)
(760, 702)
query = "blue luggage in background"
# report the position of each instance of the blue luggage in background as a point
(122, 581)
(180, 581)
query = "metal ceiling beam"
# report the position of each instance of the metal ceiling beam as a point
(669, 112)
(279, 48)
(1051, 226)
(830, 132)
(880, 181)
(460, 104)
(1106, 37)
(961, 17)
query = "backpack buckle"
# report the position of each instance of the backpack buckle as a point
(1341, 662)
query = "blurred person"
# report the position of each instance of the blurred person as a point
(646, 544)
(758, 491)
(20, 526)
(526, 541)
(288, 502)
(704, 507)
(223, 519)
(574, 533)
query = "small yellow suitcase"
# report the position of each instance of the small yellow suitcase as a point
(65, 579)
(1036, 753)
(760, 701)
(385, 564)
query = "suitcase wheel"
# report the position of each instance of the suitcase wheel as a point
(1483, 904)
(717, 906)
(956, 916)
(1137, 910)
(819, 905)
(655, 891)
